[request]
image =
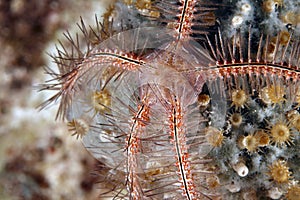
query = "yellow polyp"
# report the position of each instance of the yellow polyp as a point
(239, 98)
(296, 123)
(283, 40)
(281, 134)
(268, 6)
(264, 96)
(236, 119)
(78, 127)
(269, 50)
(272, 95)
(143, 4)
(250, 143)
(292, 115)
(262, 138)
(284, 37)
(128, 2)
(214, 136)
(290, 18)
(154, 14)
(293, 192)
(279, 172)
(101, 101)
(276, 94)
(294, 119)
(203, 100)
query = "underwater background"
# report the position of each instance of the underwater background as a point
(41, 160)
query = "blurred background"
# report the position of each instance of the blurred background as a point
(39, 159)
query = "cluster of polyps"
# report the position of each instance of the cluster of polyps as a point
(261, 143)
(171, 119)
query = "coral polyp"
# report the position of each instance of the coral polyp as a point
(236, 119)
(262, 138)
(279, 172)
(101, 101)
(238, 98)
(281, 134)
(214, 136)
(78, 127)
(272, 95)
(250, 143)
(293, 192)
(203, 100)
